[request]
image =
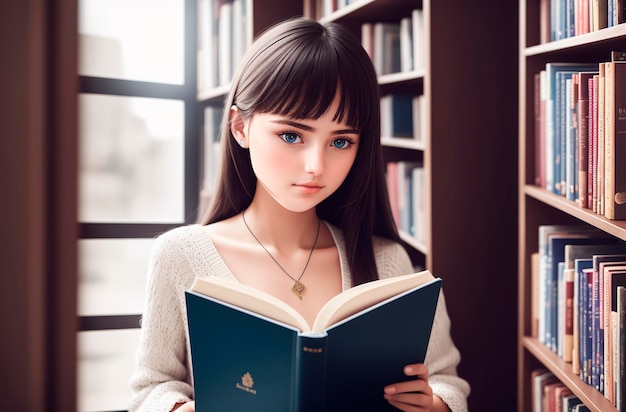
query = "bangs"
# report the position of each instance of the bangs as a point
(300, 79)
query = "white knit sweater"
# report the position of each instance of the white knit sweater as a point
(162, 375)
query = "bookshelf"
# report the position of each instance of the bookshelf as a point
(470, 68)
(539, 206)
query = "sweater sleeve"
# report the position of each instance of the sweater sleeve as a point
(161, 377)
(442, 356)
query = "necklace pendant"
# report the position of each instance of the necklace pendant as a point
(298, 289)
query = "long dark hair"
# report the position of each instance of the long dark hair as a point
(295, 69)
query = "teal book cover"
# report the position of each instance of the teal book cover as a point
(243, 361)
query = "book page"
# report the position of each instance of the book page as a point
(365, 295)
(249, 298)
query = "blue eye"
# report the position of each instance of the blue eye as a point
(290, 137)
(342, 143)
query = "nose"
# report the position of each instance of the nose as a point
(314, 160)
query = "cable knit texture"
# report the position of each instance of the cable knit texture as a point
(162, 375)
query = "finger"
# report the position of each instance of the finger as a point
(410, 386)
(417, 369)
(411, 401)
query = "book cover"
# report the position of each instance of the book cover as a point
(251, 356)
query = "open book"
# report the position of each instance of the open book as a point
(253, 352)
(341, 306)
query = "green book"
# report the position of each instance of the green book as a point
(252, 352)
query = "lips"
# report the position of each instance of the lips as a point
(309, 187)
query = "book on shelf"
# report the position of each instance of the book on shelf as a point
(562, 19)
(599, 318)
(212, 154)
(417, 20)
(549, 396)
(615, 141)
(541, 291)
(387, 49)
(539, 128)
(252, 351)
(396, 115)
(569, 402)
(573, 252)
(553, 140)
(534, 287)
(395, 46)
(583, 138)
(552, 278)
(539, 379)
(406, 44)
(571, 138)
(614, 276)
(419, 118)
(585, 266)
(405, 182)
(601, 138)
(620, 386)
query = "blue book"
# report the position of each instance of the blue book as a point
(553, 113)
(583, 271)
(256, 353)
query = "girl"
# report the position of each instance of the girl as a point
(301, 212)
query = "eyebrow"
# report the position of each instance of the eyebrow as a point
(310, 129)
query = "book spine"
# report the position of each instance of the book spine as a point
(616, 147)
(583, 150)
(310, 374)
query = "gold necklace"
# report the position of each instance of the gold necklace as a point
(298, 287)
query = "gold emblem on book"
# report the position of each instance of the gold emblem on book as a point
(620, 198)
(246, 384)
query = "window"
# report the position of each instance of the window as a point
(138, 173)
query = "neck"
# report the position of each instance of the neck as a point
(283, 230)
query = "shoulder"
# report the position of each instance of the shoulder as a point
(181, 239)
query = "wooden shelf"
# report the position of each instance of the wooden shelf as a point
(563, 371)
(539, 206)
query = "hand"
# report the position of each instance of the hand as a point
(414, 395)
(185, 407)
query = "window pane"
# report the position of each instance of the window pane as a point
(131, 160)
(112, 276)
(132, 39)
(106, 360)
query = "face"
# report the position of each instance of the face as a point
(299, 162)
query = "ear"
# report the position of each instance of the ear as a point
(237, 126)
